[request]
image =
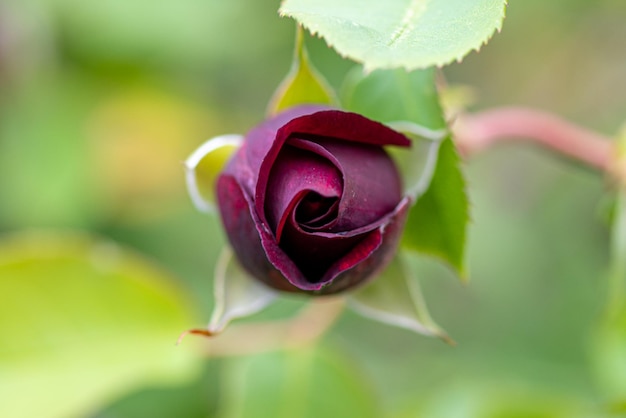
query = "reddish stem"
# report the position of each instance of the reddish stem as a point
(476, 132)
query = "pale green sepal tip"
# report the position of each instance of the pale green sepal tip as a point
(395, 298)
(303, 84)
(213, 153)
(417, 165)
(237, 294)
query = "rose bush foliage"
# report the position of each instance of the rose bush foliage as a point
(312, 202)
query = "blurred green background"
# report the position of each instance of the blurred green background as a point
(104, 261)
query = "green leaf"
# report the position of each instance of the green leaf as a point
(437, 222)
(303, 84)
(407, 102)
(306, 383)
(400, 33)
(204, 166)
(82, 322)
(396, 299)
(194, 400)
(394, 95)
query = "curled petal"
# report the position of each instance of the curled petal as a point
(302, 183)
(260, 146)
(315, 252)
(245, 233)
(203, 167)
(372, 251)
(371, 183)
(259, 253)
(370, 256)
(264, 143)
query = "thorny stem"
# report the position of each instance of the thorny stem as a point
(477, 132)
(308, 326)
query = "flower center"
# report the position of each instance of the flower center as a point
(315, 210)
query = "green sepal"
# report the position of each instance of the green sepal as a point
(437, 223)
(203, 167)
(394, 298)
(84, 320)
(303, 84)
(237, 294)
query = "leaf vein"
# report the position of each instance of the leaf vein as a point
(413, 12)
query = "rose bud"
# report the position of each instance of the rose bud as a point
(312, 202)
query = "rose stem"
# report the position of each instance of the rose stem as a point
(309, 325)
(476, 132)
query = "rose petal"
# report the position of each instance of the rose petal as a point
(296, 177)
(265, 141)
(261, 145)
(346, 126)
(315, 252)
(241, 227)
(365, 261)
(316, 213)
(259, 253)
(371, 182)
(374, 250)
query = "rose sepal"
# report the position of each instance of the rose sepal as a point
(203, 167)
(395, 298)
(304, 84)
(417, 164)
(236, 293)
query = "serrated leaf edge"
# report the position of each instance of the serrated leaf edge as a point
(439, 63)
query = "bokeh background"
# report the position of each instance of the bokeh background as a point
(104, 261)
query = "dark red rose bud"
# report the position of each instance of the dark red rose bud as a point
(312, 202)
